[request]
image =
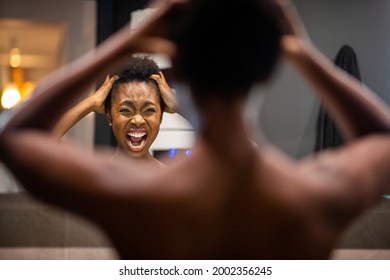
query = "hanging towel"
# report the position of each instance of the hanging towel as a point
(328, 135)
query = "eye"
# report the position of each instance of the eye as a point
(150, 111)
(124, 110)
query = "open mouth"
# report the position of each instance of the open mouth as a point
(136, 140)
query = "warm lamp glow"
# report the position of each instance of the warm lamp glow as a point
(15, 59)
(11, 96)
(26, 89)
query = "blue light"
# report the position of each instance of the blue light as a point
(172, 153)
(188, 153)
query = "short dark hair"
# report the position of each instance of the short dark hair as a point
(225, 46)
(139, 68)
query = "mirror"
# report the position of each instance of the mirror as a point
(289, 110)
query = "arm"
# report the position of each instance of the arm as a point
(59, 90)
(352, 178)
(51, 171)
(93, 103)
(355, 108)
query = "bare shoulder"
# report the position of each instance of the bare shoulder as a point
(354, 160)
(352, 177)
(337, 184)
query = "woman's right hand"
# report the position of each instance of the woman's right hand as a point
(99, 96)
(166, 93)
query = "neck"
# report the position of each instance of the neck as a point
(223, 128)
(146, 160)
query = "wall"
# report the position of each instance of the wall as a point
(30, 229)
(289, 112)
(79, 20)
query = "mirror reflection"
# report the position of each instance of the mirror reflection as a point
(35, 43)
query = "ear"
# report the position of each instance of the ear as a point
(109, 118)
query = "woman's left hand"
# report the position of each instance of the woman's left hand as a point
(166, 93)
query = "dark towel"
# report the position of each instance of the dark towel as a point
(328, 136)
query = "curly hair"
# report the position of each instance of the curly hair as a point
(139, 68)
(224, 47)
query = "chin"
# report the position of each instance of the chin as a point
(141, 154)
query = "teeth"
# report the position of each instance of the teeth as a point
(136, 134)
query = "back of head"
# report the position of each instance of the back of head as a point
(225, 46)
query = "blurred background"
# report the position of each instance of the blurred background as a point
(39, 36)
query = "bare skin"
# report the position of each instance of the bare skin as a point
(229, 200)
(95, 103)
(130, 114)
(135, 118)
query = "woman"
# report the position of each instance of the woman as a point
(133, 102)
(228, 200)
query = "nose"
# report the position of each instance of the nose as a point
(137, 120)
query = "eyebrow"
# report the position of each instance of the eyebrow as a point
(131, 103)
(127, 102)
(149, 103)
